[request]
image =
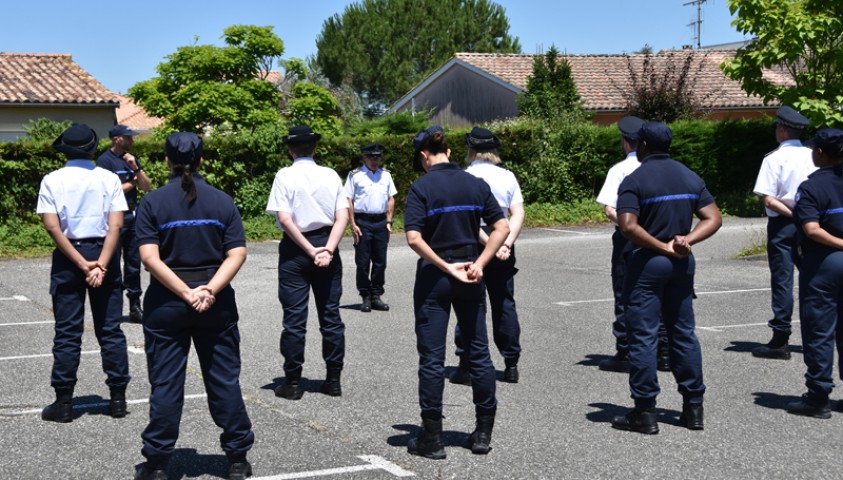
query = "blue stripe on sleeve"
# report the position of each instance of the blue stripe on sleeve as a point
(191, 223)
(455, 208)
(671, 198)
(833, 211)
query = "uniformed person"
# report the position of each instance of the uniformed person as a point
(371, 200)
(499, 275)
(656, 204)
(819, 213)
(82, 208)
(311, 208)
(192, 242)
(119, 160)
(442, 221)
(782, 171)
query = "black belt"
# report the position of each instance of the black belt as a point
(371, 217)
(196, 275)
(86, 241)
(465, 251)
(317, 232)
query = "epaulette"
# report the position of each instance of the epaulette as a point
(355, 171)
(386, 170)
(770, 153)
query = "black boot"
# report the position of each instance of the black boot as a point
(60, 411)
(462, 376)
(663, 359)
(377, 304)
(777, 348)
(117, 404)
(240, 470)
(429, 442)
(692, 416)
(135, 310)
(366, 306)
(638, 420)
(618, 363)
(151, 473)
(810, 406)
(331, 386)
(291, 390)
(482, 436)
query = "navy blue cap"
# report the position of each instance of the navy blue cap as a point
(629, 125)
(183, 148)
(656, 134)
(830, 140)
(300, 134)
(418, 143)
(121, 130)
(372, 150)
(78, 141)
(789, 117)
(481, 139)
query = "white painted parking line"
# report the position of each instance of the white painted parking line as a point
(567, 231)
(373, 463)
(87, 406)
(26, 323)
(718, 292)
(19, 298)
(720, 328)
(42, 355)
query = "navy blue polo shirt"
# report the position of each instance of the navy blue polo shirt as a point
(664, 194)
(190, 236)
(115, 163)
(446, 206)
(820, 199)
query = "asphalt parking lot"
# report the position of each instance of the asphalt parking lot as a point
(554, 424)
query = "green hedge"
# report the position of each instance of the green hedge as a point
(555, 163)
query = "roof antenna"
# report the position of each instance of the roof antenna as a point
(697, 25)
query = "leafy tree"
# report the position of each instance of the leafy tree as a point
(646, 49)
(801, 40)
(208, 86)
(384, 47)
(44, 129)
(663, 87)
(551, 91)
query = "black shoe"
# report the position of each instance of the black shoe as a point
(366, 306)
(291, 390)
(692, 417)
(135, 311)
(331, 387)
(776, 348)
(810, 407)
(377, 304)
(58, 412)
(663, 363)
(117, 407)
(240, 471)
(144, 474)
(510, 374)
(618, 363)
(462, 376)
(641, 421)
(480, 439)
(429, 442)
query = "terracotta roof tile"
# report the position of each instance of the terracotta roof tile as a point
(601, 79)
(133, 116)
(48, 78)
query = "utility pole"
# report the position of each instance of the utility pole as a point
(697, 24)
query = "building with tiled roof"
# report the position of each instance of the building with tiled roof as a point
(133, 116)
(474, 88)
(53, 86)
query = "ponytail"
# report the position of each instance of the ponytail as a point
(185, 171)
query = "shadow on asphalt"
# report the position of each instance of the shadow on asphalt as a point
(450, 438)
(307, 385)
(774, 400)
(593, 359)
(608, 411)
(747, 347)
(185, 462)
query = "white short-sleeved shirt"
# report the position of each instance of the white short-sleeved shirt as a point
(82, 195)
(501, 181)
(782, 171)
(370, 191)
(608, 195)
(310, 193)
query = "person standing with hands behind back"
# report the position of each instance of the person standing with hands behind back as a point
(119, 160)
(192, 242)
(442, 220)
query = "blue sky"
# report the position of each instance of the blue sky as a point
(120, 43)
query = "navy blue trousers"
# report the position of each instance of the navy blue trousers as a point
(656, 284)
(68, 290)
(499, 277)
(169, 326)
(620, 252)
(821, 311)
(434, 293)
(297, 275)
(370, 251)
(131, 257)
(781, 248)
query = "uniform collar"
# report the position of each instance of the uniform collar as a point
(791, 143)
(304, 160)
(833, 169)
(196, 176)
(656, 156)
(82, 163)
(632, 154)
(445, 166)
(477, 163)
